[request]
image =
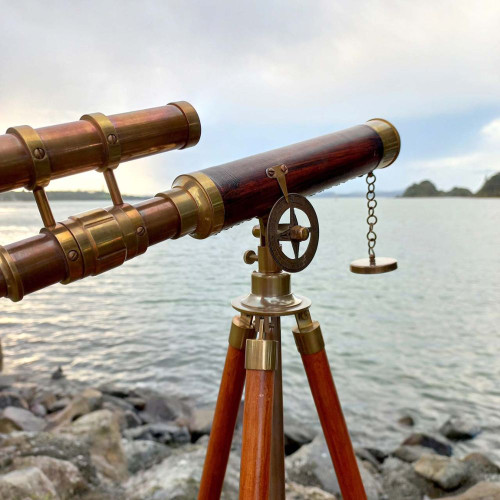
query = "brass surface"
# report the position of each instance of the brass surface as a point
(279, 173)
(135, 235)
(377, 266)
(307, 334)
(187, 208)
(41, 170)
(42, 203)
(208, 200)
(271, 284)
(241, 330)
(250, 257)
(260, 354)
(193, 120)
(266, 262)
(15, 289)
(114, 190)
(390, 139)
(112, 150)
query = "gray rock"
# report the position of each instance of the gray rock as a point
(64, 476)
(365, 455)
(71, 448)
(200, 422)
(297, 435)
(295, 491)
(312, 466)
(164, 432)
(102, 430)
(412, 453)
(38, 410)
(429, 442)
(138, 403)
(57, 374)
(459, 428)
(131, 419)
(58, 405)
(160, 408)
(481, 491)
(8, 398)
(120, 403)
(7, 426)
(407, 421)
(143, 454)
(480, 468)
(448, 473)
(178, 476)
(28, 483)
(82, 403)
(24, 419)
(118, 391)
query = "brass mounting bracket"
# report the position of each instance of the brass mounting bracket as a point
(279, 173)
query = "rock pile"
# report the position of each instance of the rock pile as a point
(62, 440)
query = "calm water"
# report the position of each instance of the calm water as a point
(422, 341)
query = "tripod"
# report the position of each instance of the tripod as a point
(254, 353)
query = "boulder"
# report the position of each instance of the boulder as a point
(312, 466)
(142, 454)
(81, 404)
(164, 432)
(118, 391)
(200, 422)
(429, 442)
(411, 454)
(8, 398)
(481, 491)
(367, 456)
(23, 419)
(160, 408)
(27, 483)
(459, 428)
(64, 476)
(178, 476)
(407, 421)
(101, 428)
(38, 410)
(119, 403)
(296, 436)
(449, 473)
(138, 403)
(131, 419)
(295, 491)
(57, 374)
(58, 404)
(71, 448)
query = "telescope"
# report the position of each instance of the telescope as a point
(200, 203)
(265, 186)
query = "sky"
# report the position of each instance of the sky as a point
(265, 74)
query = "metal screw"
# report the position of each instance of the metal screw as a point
(112, 139)
(72, 255)
(284, 169)
(140, 231)
(270, 172)
(39, 153)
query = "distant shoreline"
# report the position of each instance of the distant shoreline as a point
(66, 196)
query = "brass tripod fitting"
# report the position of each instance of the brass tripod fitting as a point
(307, 334)
(241, 331)
(260, 354)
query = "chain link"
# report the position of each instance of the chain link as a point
(371, 220)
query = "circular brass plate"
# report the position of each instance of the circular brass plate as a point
(266, 309)
(382, 265)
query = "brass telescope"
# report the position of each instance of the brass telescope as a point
(199, 204)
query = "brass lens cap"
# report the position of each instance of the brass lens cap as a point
(381, 265)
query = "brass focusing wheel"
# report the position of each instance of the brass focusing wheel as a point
(292, 232)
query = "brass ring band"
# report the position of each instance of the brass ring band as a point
(309, 341)
(241, 331)
(208, 200)
(260, 354)
(67, 242)
(133, 228)
(193, 121)
(110, 139)
(390, 140)
(15, 289)
(186, 207)
(41, 171)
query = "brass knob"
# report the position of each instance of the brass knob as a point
(249, 257)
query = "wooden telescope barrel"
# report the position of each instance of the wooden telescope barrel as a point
(199, 204)
(79, 146)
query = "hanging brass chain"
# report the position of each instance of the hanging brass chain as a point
(371, 220)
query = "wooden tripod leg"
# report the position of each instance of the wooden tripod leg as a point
(226, 410)
(257, 420)
(311, 346)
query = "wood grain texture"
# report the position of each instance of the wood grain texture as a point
(257, 425)
(334, 426)
(221, 435)
(313, 166)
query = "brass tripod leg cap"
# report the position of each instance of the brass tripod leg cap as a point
(260, 354)
(309, 340)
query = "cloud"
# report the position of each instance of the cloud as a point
(261, 74)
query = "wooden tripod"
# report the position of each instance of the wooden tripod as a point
(262, 472)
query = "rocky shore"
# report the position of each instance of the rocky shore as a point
(60, 439)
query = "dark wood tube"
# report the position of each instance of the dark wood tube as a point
(224, 422)
(313, 166)
(334, 426)
(257, 425)
(77, 147)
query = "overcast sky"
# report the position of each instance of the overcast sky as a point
(265, 74)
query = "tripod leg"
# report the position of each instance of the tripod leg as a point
(277, 479)
(311, 346)
(226, 409)
(255, 467)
